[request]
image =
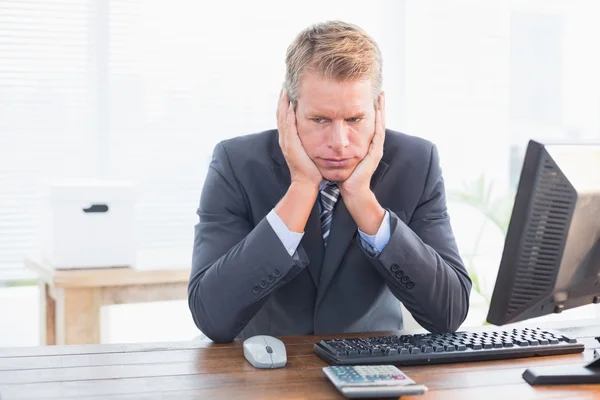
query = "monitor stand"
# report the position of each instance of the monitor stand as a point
(563, 375)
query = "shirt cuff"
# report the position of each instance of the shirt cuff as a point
(378, 241)
(289, 239)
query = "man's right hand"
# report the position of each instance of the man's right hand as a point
(302, 169)
(295, 207)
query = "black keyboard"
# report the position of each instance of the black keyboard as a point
(446, 348)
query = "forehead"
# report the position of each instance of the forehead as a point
(320, 94)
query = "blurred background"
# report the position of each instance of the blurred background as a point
(143, 91)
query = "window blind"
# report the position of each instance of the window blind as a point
(47, 109)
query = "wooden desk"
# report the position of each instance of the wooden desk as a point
(71, 299)
(202, 370)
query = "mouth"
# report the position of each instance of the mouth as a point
(337, 162)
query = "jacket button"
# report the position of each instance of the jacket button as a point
(399, 274)
(277, 273)
(405, 279)
(263, 284)
(410, 285)
(270, 278)
(395, 268)
(256, 289)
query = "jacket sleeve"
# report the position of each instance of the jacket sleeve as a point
(235, 265)
(421, 262)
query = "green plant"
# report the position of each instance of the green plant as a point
(496, 210)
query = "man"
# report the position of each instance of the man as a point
(328, 223)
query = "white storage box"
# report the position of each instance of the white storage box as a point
(88, 223)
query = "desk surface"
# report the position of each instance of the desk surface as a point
(102, 277)
(201, 370)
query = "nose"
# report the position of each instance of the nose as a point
(338, 137)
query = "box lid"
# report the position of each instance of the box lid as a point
(89, 190)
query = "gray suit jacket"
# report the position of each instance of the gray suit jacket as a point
(244, 282)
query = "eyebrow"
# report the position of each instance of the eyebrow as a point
(315, 115)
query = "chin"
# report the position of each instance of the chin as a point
(336, 175)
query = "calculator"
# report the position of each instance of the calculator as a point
(372, 381)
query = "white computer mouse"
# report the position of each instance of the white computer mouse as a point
(264, 351)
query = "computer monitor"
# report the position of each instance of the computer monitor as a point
(551, 257)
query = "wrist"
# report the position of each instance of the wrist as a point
(305, 189)
(358, 193)
(357, 197)
(366, 211)
(295, 207)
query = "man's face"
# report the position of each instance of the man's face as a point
(336, 122)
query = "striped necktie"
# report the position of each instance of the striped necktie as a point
(329, 196)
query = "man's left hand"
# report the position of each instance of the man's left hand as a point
(360, 179)
(356, 191)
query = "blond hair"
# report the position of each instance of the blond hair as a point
(336, 50)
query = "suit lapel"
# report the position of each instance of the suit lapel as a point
(343, 230)
(311, 241)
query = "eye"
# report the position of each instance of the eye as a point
(353, 120)
(319, 120)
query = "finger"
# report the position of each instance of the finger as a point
(281, 109)
(381, 104)
(277, 113)
(380, 134)
(290, 127)
(376, 148)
